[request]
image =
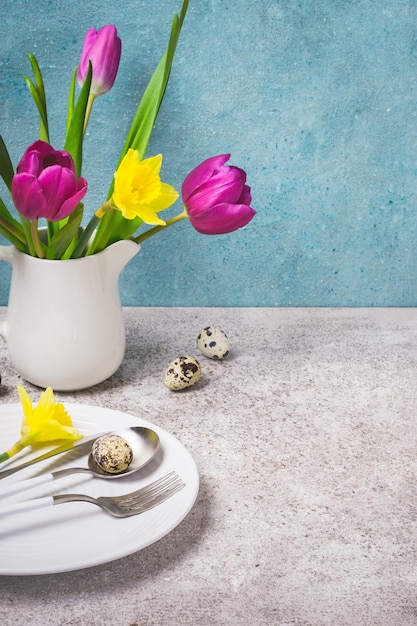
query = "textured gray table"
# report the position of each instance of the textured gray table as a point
(306, 441)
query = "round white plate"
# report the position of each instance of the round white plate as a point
(76, 535)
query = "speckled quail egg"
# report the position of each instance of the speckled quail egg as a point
(213, 343)
(112, 453)
(182, 373)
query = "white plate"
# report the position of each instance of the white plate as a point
(76, 535)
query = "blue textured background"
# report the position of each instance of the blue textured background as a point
(316, 100)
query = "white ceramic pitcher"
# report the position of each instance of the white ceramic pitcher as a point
(65, 326)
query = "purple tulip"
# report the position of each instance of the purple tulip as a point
(103, 48)
(216, 197)
(46, 184)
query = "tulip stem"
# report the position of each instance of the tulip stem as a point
(157, 229)
(35, 238)
(91, 99)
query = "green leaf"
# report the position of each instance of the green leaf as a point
(14, 225)
(125, 229)
(43, 125)
(62, 239)
(142, 125)
(144, 120)
(37, 74)
(75, 134)
(13, 240)
(71, 100)
(6, 166)
(11, 229)
(106, 227)
(84, 239)
(26, 225)
(37, 90)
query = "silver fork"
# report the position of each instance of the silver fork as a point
(119, 506)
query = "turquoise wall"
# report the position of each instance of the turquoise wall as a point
(317, 100)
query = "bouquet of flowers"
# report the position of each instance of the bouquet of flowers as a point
(47, 188)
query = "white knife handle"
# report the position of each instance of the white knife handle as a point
(22, 485)
(28, 505)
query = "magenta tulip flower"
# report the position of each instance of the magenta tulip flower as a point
(103, 48)
(216, 198)
(46, 184)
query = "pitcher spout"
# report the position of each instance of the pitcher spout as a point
(117, 256)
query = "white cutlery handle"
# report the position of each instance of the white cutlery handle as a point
(29, 505)
(22, 485)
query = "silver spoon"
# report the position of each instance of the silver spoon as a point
(143, 441)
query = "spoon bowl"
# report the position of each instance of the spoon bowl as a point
(144, 443)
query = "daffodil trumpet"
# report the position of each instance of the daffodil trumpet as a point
(47, 421)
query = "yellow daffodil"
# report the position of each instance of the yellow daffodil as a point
(48, 421)
(138, 189)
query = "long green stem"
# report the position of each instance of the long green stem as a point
(35, 238)
(17, 447)
(91, 99)
(157, 229)
(28, 234)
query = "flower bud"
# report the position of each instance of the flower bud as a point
(103, 48)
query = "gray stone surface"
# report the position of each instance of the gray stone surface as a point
(305, 439)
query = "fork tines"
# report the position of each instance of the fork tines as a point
(151, 495)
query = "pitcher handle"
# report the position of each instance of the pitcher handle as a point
(6, 254)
